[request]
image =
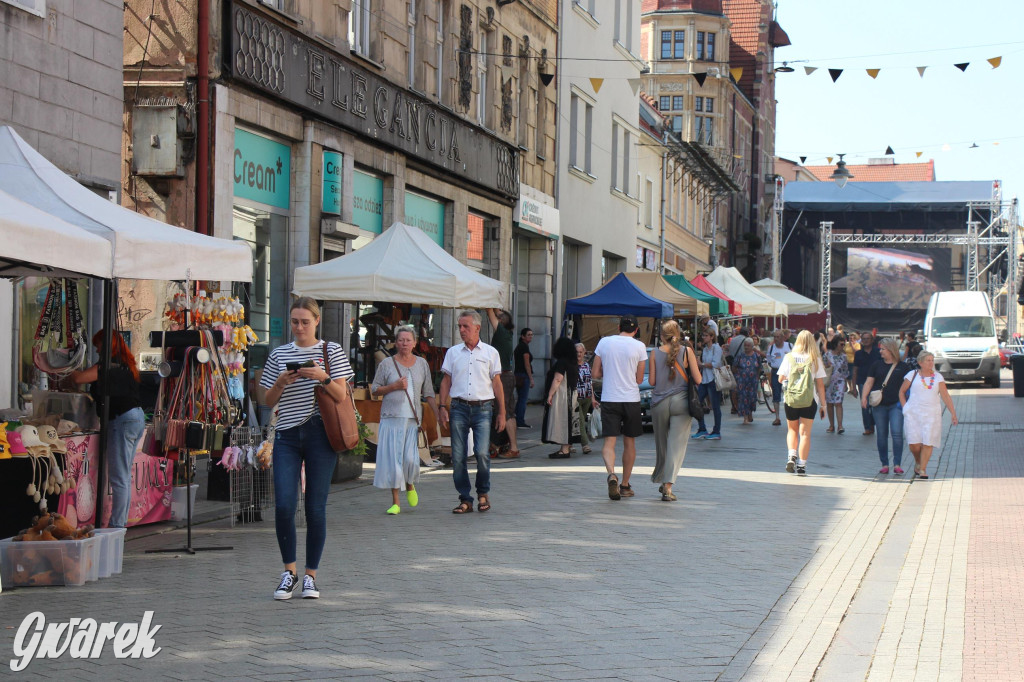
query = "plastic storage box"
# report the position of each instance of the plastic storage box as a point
(111, 550)
(56, 562)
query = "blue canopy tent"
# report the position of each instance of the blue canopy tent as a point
(618, 296)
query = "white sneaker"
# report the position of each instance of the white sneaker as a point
(791, 464)
(309, 590)
(284, 590)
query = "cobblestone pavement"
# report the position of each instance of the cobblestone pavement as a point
(753, 574)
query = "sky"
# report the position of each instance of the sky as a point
(941, 114)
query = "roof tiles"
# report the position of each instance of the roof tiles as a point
(899, 172)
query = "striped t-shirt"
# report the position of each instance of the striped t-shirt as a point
(297, 404)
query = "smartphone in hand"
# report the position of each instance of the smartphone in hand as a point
(296, 366)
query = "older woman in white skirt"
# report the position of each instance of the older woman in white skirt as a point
(920, 395)
(403, 380)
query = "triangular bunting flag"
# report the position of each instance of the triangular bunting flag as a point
(596, 83)
(506, 72)
(546, 78)
(889, 151)
(873, 72)
(919, 154)
(835, 73)
(920, 71)
(634, 84)
(810, 69)
(803, 159)
(995, 62)
(962, 66)
(737, 73)
(700, 77)
(830, 159)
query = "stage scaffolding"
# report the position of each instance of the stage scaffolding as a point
(988, 239)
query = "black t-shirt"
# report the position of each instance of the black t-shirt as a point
(502, 342)
(891, 392)
(519, 354)
(123, 393)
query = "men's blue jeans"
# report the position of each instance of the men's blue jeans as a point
(123, 438)
(522, 395)
(307, 443)
(866, 414)
(464, 417)
(776, 387)
(703, 392)
(889, 420)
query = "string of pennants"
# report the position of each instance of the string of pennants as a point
(634, 83)
(889, 152)
(994, 62)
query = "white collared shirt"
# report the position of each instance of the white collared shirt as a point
(472, 371)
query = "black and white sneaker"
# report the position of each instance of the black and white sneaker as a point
(801, 469)
(288, 583)
(309, 590)
(791, 464)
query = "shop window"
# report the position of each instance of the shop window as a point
(475, 237)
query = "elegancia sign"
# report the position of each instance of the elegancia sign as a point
(262, 169)
(331, 202)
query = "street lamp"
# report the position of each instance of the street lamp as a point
(841, 174)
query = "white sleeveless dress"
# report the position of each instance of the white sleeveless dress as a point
(922, 415)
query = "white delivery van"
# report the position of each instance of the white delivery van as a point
(960, 330)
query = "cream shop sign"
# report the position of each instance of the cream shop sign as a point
(285, 64)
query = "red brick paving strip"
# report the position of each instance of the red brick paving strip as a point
(994, 627)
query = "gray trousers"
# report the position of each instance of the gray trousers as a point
(672, 420)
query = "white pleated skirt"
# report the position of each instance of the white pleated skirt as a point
(398, 459)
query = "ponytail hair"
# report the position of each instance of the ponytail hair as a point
(671, 335)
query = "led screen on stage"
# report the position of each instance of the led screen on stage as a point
(890, 279)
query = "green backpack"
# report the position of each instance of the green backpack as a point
(800, 387)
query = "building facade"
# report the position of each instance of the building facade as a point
(599, 187)
(328, 121)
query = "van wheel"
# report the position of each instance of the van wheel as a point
(993, 382)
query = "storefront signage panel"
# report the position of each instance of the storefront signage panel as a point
(537, 216)
(283, 63)
(426, 214)
(368, 202)
(331, 202)
(262, 169)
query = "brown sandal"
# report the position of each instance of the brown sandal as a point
(463, 508)
(483, 503)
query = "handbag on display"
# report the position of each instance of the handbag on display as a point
(724, 379)
(339, 416)
(875, 397)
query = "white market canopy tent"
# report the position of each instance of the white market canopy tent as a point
(402, 265)
(32, 237)
(142, 248)
(797, 304)
(755, 302)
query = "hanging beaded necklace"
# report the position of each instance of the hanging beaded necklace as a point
(928, 385)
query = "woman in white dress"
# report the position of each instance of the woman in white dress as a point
(922, 411)
(404, 381)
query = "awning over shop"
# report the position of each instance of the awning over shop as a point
(704, 285)
(716, 305)
(618, 296)
(36, 243)
(402, 265)
(655, 285)
(730, 282)
(795, 303)
(143, 248)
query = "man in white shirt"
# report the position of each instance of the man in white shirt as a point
(619, 361)
(472, 378)
(776, 351)
(706, 321)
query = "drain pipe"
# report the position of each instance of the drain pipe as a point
(203, 120)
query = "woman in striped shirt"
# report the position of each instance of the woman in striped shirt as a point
(291, 373)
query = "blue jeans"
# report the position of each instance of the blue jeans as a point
(716, 406)
(462, 418)
(776, 387)
(866, 415)
(307, 443)
(889, 419)
(522, 395)
(123, 436)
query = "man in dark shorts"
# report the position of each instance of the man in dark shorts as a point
(619, 361)
(501, 320)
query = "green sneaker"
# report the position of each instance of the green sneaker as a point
(394, 509)
(413, 496)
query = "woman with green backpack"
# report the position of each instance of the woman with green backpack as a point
(802, 374)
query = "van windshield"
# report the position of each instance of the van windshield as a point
(962, 327)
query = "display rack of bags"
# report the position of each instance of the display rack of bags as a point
(248, 460)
